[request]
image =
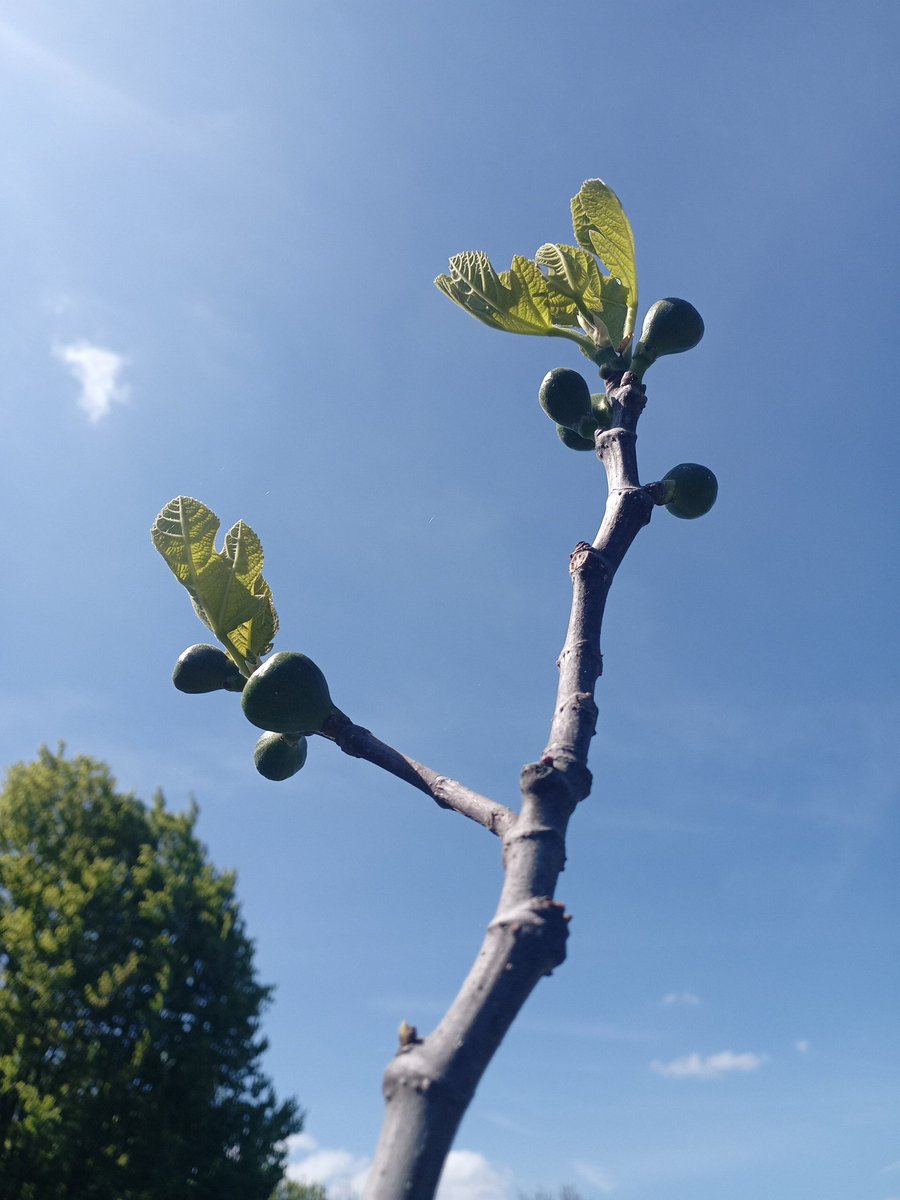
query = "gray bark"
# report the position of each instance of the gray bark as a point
(430, 1081)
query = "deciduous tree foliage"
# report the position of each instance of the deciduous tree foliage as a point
(289, 1189)
(129, 1009)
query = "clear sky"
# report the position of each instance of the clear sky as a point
(219, 225)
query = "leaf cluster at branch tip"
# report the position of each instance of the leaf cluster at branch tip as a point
(562, 292)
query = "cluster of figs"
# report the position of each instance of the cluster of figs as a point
(670, 327)
(287, 697)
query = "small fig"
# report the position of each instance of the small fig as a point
(565, 397)
(206, 669)
(573, 440)
(670, 327)
(279, 756)
(287, 694)
(694, 490)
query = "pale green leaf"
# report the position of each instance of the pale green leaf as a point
(518, 300)
(602, 227)
(574, 272)
(244, 551)
(501, 299)
(599, 300)
(226, 601)
(254, 638)
(185, 535)
(226, 587)
(614, 308)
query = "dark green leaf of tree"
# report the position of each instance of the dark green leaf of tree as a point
(130, 1036)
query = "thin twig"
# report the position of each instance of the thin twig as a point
(358, 742)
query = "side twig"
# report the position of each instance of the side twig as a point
(358, 742)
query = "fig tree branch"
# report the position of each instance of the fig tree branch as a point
(358, 742)
(430, 1082)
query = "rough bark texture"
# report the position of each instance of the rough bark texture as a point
(431, 1081)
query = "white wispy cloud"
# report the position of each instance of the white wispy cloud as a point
(99, 374)
(801, 1045)
(342, 1173)
(680, 998)
(694, 1066)
(467, 1174)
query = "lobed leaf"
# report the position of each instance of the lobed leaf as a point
(572, 271)
(563, 292)
(228, 591)
(602, 300)
(254, 638)
(519, 300)
(185, 535)
(602, 227)
(502, 300)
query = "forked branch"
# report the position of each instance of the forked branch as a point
(431, 1081)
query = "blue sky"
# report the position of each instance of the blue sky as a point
(220, 224)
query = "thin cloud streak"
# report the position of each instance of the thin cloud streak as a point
(693, 1066)
(71, 80)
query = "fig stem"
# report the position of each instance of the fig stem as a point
(240, 662)
(661, 492)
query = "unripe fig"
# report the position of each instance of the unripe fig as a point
(206, 669)
(287, 694)
(278, 756)
(670, 327)
(565, 397)
(573, 440)
(694, 490)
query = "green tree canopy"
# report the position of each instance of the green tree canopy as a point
(289, 1189)
(130, 1037)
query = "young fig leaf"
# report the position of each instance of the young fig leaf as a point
(562, 292)
(517, 300)
(226, 586)
(602, 227)
(600, 300)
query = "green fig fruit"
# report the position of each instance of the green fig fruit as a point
(278, 756)
(574, 440)
(206, 669)
(670, 327)
(565, 397)
(694, 490)
(287, 694)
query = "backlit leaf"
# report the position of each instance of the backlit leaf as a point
(602, 227)
(226, 586)
(518, 300)
(254, 638)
